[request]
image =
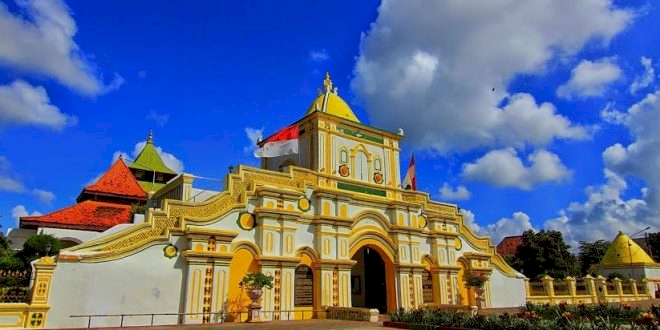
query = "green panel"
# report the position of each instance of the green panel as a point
(361, 189)
(148, 185)
(360, 135)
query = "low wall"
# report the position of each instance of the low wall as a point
(587, 290)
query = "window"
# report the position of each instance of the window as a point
(377, 165)
(343, 156)
(361, 169)
(303, 286)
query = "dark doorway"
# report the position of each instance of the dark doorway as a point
(368, 280)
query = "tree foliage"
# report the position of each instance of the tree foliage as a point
(38, 246)
(591, 253)
(654, 245)
(34, 248)
(545, 252)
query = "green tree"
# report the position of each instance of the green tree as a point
(654, 245)
(591, 253)
(545, 252)
(38, 246)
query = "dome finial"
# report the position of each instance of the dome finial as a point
(150, 138)
(327, 83)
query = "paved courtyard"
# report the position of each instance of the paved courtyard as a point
(307, 324)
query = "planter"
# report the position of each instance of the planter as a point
(254, 307)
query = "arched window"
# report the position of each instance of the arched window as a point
(361, 169)
(343, 156)
(427, 287)
(303, 287)
(377, 165)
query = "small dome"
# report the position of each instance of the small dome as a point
(624, 250)
(329, 102)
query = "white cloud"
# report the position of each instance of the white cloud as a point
(254, 135)
(447, 192)
(503, 168)
(20, 211)
(590, 79)
(319, 55)
(43, 196)
(24, 104)
(9, 182)
(430, 67)
(603, 214)
(605, 211)
(470, 221)
(644, 80)
(41, 41)
(504, 227)
(160, 120)
(169, 159)
(641, 157)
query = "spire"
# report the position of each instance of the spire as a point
(327, 83)
(150, 137)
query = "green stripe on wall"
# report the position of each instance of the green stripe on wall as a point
(361, 189)
(360, 135)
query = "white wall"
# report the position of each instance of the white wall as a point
(69, 234)
(506, 291)
(146, 282)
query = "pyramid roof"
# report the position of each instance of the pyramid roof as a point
(116, 181)
(624, 250)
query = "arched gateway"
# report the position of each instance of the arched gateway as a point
(330, 224)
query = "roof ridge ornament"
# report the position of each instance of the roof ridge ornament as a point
(327, 83)
(150, 137)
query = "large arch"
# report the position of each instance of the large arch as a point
(382, 220)
(244, 261)
(464, 293)
(385, 250)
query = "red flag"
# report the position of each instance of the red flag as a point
(410, 180)
(284, 142)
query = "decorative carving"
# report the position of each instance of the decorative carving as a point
(208, 288)
(278, 294)
(335, 287)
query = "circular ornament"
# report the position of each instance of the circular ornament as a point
(378, 178)
(304, 204)
(344, 171)
(170, 251)
(421, 221)
(458, 244)
(246, 221)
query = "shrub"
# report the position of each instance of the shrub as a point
(257, 281)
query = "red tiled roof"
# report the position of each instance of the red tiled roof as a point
(509, 245)
(117, 181)
(87, 215)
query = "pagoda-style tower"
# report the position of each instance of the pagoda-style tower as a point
(149, 168)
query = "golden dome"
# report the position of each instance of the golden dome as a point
(624, 250)
(330, 102)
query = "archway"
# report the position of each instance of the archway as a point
(464, 293)
(372, 278)
(242, 263)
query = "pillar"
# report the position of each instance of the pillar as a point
(43, 275)
(601, 288)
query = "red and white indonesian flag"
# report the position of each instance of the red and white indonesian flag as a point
(410, 180)
(284, 142)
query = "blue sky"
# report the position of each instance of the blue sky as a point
(526, 114)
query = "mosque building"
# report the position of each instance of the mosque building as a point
(331, 224)
(626, 258)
